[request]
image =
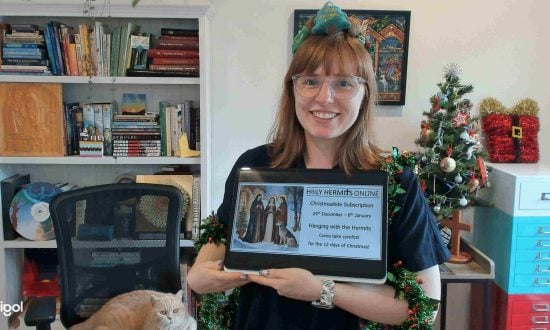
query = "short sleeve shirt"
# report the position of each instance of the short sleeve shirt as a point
(413, 239)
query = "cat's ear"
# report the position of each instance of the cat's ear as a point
(179, 295)
(154, 300)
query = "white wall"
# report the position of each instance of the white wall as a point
(501, 45)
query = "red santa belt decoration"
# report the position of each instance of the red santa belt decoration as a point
(511, 135)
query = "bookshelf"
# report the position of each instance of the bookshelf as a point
(85, 171)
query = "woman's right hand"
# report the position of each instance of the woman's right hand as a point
(207, 274)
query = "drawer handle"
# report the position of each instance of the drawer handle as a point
(538, 257)
(545, 196)
(539, 243)
(541, 307)
(541, 283)
(540, 320)
(542, 231)
(539, 328)
(538, 270)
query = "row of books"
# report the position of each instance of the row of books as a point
(131, 135)
(175, 120)
(60, 49)
(23, 51)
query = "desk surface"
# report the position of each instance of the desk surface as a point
(480, 268)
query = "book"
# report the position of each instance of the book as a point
(8, 188)
(125, 47)
(178, 32)
(139, 45)
(31, 120)
(172, 53)
(175, 61)
(107, 129)
(196, 206)
(191, 44)
(185, 184)
(174, 67)
(153, 73)
(89, 119)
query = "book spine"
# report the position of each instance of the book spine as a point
(11, 45)
(174, 67)
(196, 207)
(107, 129)
(77, 117)
(48, 38)
(175, 61)
(162, 112)
(24, 61)
(177, 53)
(178, 32)
(23, 51)
(68, 130)
(136, 137)
(177, 44)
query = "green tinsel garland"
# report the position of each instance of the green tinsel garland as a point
(218, 309)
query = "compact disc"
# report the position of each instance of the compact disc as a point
(30, 212)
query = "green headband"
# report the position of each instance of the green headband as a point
(329, 19)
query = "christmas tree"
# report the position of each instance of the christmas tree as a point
(451, 167)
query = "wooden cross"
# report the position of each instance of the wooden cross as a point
(456, 226)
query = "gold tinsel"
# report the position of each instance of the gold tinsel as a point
(528, 107)
(491, 105)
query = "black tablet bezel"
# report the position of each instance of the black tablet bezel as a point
(353, 269)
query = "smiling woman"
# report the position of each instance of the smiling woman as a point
(324, 122)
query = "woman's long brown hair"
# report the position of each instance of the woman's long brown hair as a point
(356, 149)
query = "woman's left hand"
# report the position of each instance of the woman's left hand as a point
(295, 283)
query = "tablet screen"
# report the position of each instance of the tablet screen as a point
(325, 221)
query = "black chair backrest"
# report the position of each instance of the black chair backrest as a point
(113, 239)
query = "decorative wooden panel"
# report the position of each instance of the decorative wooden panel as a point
(31, 119)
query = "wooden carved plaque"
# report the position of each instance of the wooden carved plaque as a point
(31, 120)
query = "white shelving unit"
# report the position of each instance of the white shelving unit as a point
(85, 171)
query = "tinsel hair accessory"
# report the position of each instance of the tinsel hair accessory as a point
(329, 19)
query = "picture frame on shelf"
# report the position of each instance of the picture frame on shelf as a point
(387, 40)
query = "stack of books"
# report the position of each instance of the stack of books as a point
(175, 53)
(136, 135)
(23, 51)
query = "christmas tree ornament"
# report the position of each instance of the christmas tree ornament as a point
(447, 164)
(425, 134)
(472, 185)
(463, 201)
(461, 119)
(446, 235)
(511, 135)
(458, 178)
(437, 209)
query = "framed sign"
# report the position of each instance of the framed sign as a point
(325, 221)
(387, 40)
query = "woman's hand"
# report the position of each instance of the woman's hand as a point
(207, 274)
(295, 283)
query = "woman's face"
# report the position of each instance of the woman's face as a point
(325, 117)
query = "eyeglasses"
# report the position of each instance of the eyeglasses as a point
(342, 87)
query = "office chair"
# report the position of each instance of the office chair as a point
(111, 239)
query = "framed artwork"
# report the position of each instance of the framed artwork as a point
(387, 40)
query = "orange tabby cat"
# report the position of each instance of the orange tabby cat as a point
(141, 310)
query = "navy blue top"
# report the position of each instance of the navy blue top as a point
(413, 239)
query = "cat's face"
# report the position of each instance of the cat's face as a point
(169, 311)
